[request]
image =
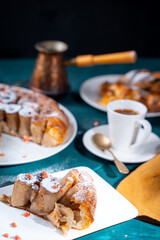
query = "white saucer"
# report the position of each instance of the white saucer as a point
(142, 153)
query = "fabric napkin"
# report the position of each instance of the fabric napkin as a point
(142, 189)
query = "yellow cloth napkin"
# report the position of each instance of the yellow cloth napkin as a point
(142, 189)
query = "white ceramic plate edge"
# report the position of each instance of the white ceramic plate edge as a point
(126, 157)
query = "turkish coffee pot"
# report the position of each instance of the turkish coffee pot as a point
(49, 75)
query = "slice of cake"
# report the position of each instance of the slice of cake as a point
(32, 116)
(69, 202)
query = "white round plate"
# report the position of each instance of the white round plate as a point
(141, 154)
(90, 88)
(18, 152)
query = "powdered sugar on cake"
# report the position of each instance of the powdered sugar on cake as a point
(28, 180)
(142, 76)
(7, 96)
(26, 111)
(51, 184)
(12, 108)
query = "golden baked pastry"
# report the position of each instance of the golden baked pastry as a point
(69, 202)
(31, 116)
(139, 85)
(152, 101)
(115, 91)
(144, 79)
(81, 198)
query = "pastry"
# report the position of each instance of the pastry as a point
(152, 101)
(139, 85)
(144, 79)
(22, 191)
(137, 77)
(69, 202)
(37, 128)
(81, 198)
(50, 191)
(62, 217)
(25, 116)
(12, 117)
(115, 91)
(32, 116)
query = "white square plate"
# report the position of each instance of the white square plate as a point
(112, 208)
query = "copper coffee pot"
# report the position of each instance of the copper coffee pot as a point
(49, 74)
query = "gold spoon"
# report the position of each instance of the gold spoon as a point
(103, 143)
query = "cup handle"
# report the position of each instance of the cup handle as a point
(147, 130)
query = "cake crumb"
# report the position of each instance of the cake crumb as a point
(2, 154)
(14, 225)
(25, 138)
(96, 123)
(6, 235)
(17, 237)
(26, 214)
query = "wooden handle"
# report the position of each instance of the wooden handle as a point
(111, 58)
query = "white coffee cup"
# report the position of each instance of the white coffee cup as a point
(123, 128)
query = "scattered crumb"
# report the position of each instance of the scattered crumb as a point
(16, 237)
(26, 214)
(2, 154)
(6, 235)
(14, 225)
(44, 174)
(96, 124)
(25, 138)
(29, 175)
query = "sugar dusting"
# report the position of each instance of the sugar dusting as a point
(12, 108)
(23, 178)
(130, 75)
(7, 95)
(51, 184)
(85, 189)
(140, 76)
(10, 179)
(26, 111)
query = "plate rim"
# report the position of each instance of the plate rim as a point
(106, 157)
(98, 106)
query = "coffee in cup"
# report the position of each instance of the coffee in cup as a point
(125, 117)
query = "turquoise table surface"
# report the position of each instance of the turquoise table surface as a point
(12, 71)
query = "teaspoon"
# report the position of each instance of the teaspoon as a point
(103, 143)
